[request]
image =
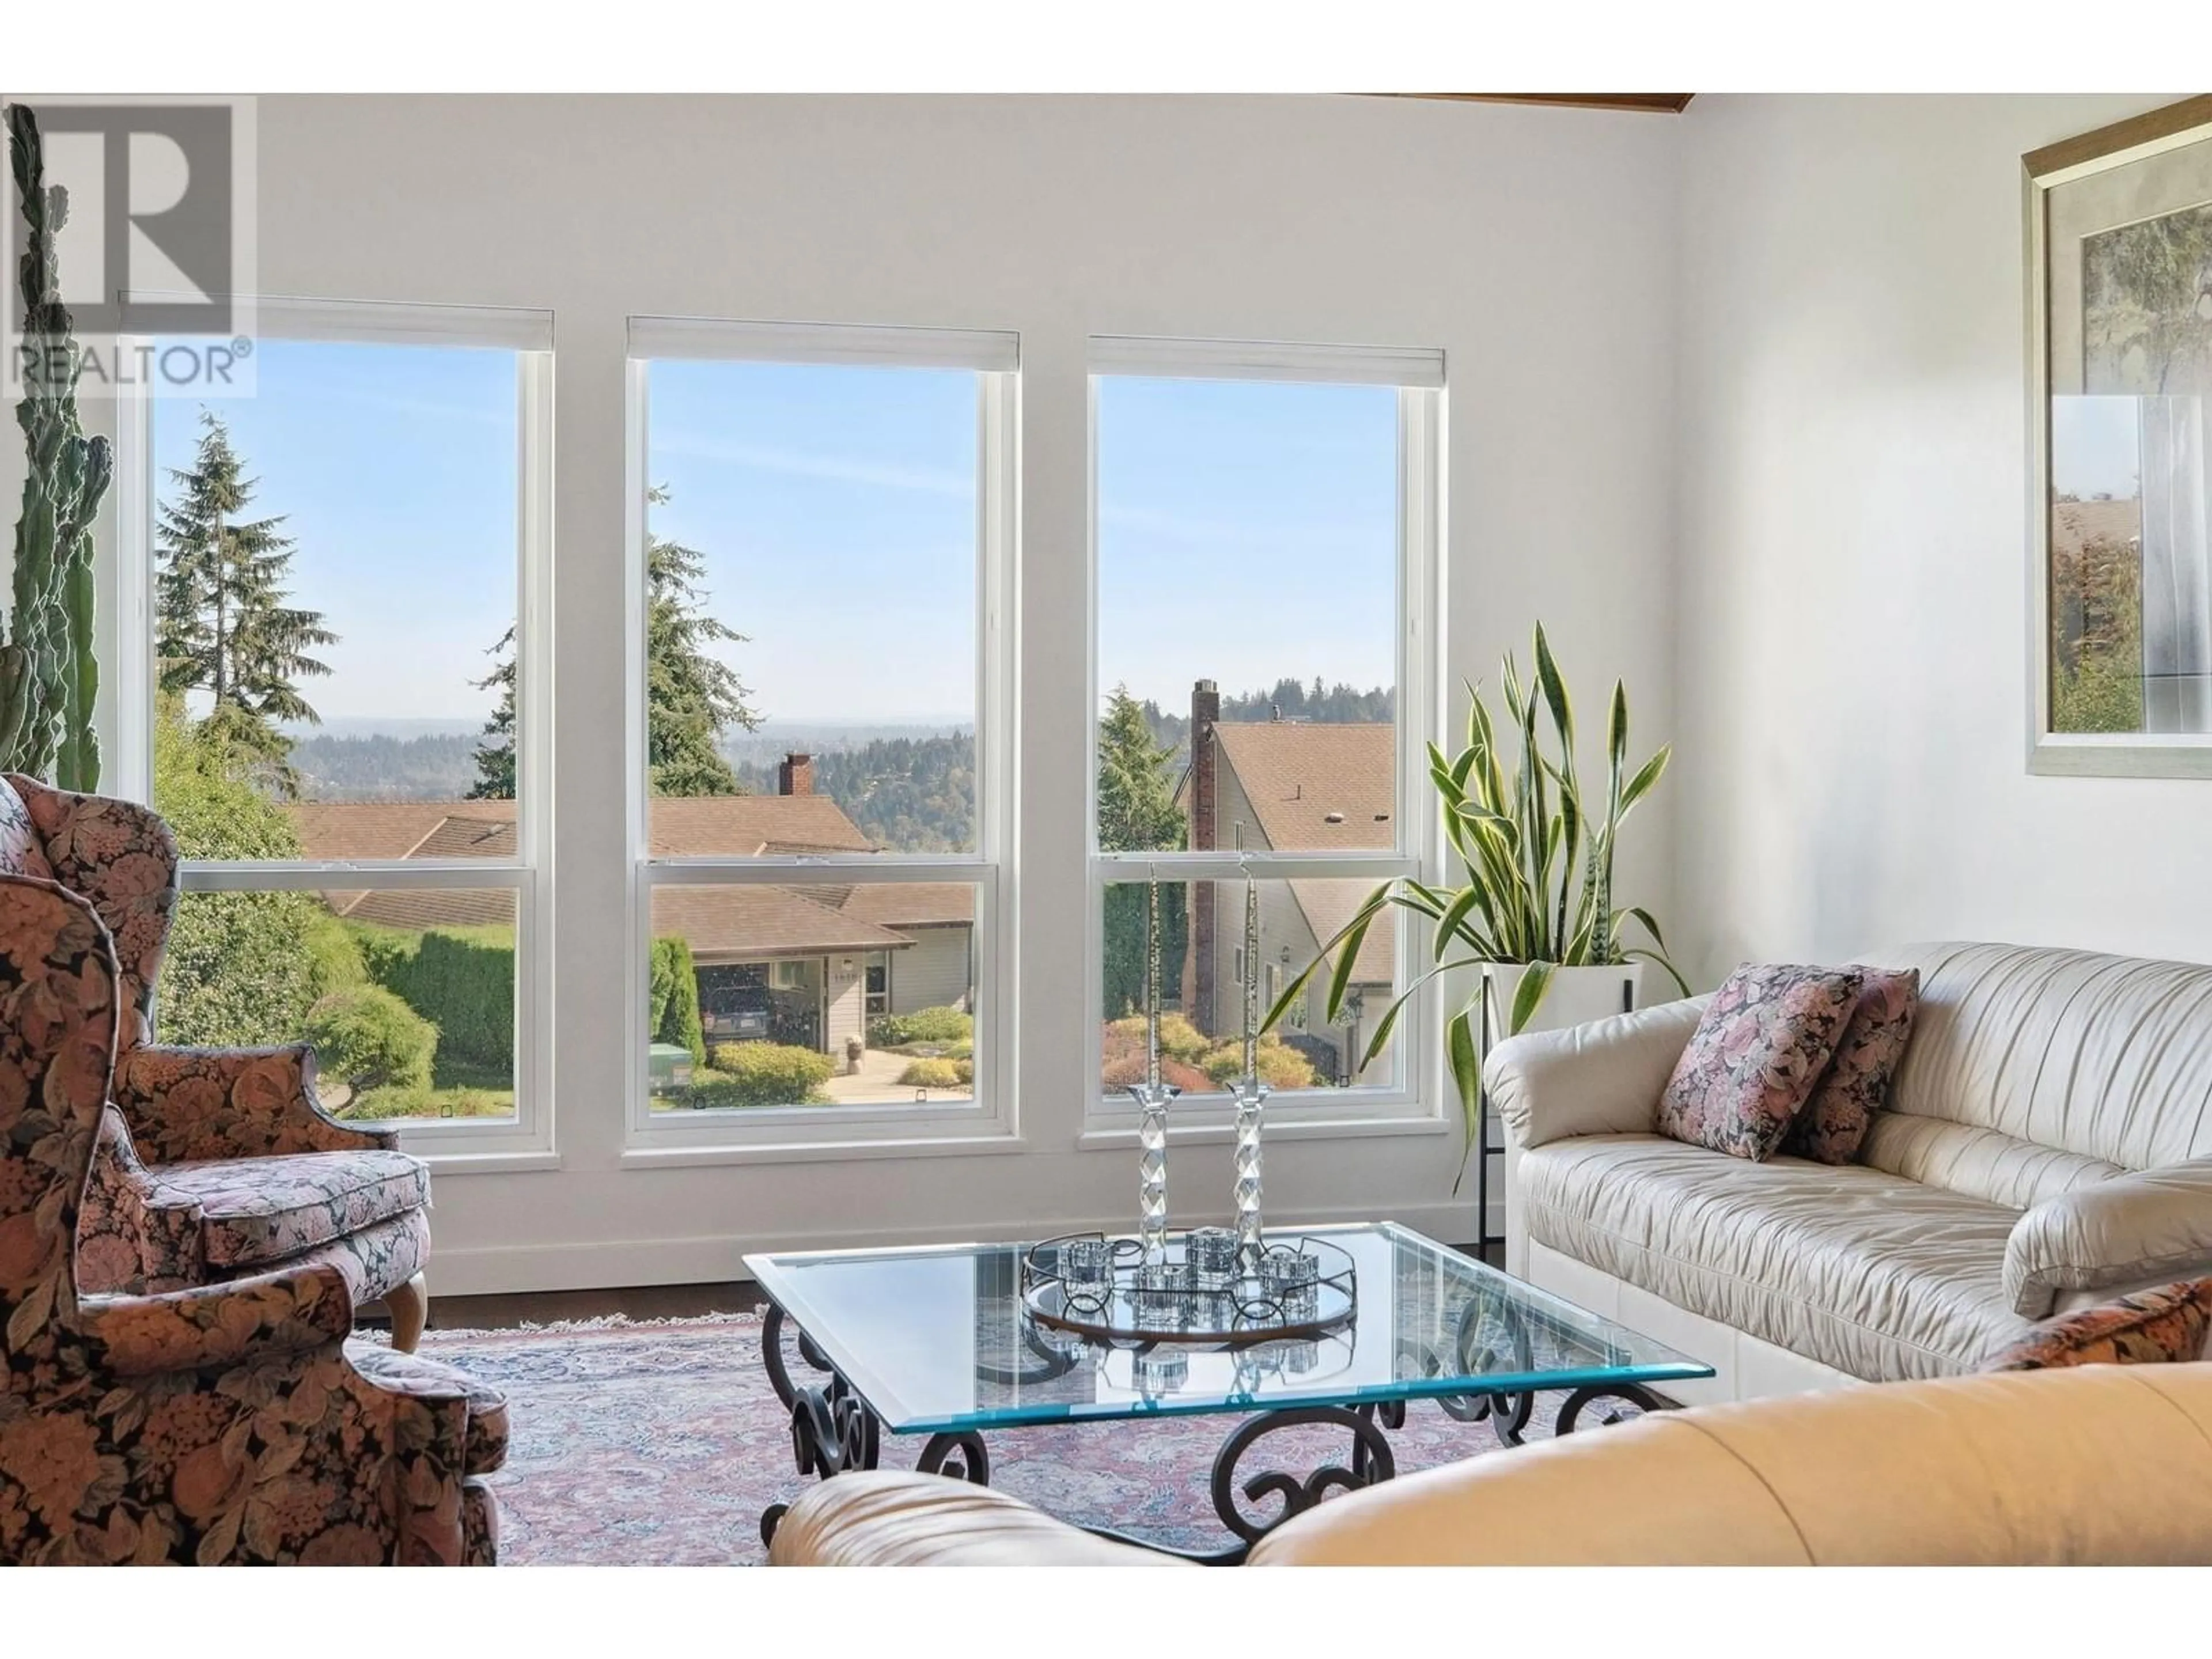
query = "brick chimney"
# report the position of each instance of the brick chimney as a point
(794, 775)
(1201, 1002)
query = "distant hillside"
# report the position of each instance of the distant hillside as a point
(910, 789)
(380, 766)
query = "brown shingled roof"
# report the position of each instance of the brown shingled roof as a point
(747, 921)
(762, 921)
(1297, 775)
(912, 904)
(691, 826)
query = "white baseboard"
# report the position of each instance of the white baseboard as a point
(506, 1269)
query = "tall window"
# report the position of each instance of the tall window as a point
(332, 586)
(1264, 530)
(817, 654)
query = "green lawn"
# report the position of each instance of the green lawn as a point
(456, 1089)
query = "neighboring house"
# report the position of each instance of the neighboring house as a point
(1286, 786)
(806, 965)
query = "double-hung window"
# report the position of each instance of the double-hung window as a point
(331, 599)
(818, 650)
(1264, 532)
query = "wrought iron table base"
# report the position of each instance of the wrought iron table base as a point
(833, 1431)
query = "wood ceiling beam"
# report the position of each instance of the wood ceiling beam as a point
(1657, 103)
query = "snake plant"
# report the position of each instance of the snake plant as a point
(49, 674)
(1534, 846)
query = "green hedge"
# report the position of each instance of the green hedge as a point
(764, 1074)
(463, 982)
(922, 1025)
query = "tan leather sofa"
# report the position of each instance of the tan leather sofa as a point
(2048, 1144)
(2103, 1464)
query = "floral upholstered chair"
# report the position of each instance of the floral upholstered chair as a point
(213, 1164)
(228, 1423)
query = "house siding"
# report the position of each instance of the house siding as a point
(932, 973)
(844, 1002)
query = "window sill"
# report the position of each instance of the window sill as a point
(459, 1164)
(819, 1151)
(1117, 1138)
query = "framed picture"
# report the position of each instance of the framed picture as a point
(2119, 288)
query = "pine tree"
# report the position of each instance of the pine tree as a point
(691, 698)
(495, 752)
(221, 624)
(1137, 813)
(1137, 810)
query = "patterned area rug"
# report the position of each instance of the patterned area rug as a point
(661, 1444)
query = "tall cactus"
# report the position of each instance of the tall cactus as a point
(49, 671)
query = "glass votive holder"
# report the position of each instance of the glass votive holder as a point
(1159, 1370)
(1291, 1280)
(1211, 1253)
(1162, 1293)
(1087, 1264)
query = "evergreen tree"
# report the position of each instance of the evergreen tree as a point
(1137, 813)
(1137, 810)
(221, 624)
(495, 751)
(691, 698)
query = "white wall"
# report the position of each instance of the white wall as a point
(1535, 246)
(1854, 553)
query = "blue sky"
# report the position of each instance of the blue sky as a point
(2095, 446)
(1247, 531)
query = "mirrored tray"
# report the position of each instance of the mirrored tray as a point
(1245, 1308)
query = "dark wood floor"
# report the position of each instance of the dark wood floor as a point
(494, 1313)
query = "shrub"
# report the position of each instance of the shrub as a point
(672, 999)
(461, 982)
(922, 1025)
(368, 1038)
(936, 1074)
(1280, 1066)
(1179, 1038)
(1123, 1061)
(764, 1074)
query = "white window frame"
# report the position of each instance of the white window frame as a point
(526, 1139)
(1416, 1096)
(988, 1121)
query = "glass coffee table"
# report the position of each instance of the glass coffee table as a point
(942, 1343)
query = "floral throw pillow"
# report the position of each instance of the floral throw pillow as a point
(2169, 1324)
(1857, 1083)
(1766, 1038)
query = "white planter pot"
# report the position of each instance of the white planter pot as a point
(1575, 997)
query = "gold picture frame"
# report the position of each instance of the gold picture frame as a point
(2119, 350)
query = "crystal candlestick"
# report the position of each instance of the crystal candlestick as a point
(1251, 1109)
(1152, 1100)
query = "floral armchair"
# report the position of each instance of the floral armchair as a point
(212, 1164)
(227, 1422)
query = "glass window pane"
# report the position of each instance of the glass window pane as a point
(1203, 953)
(1247, 615)
(335, 562)
(407, 995)
(812, 995)
(811, 635)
